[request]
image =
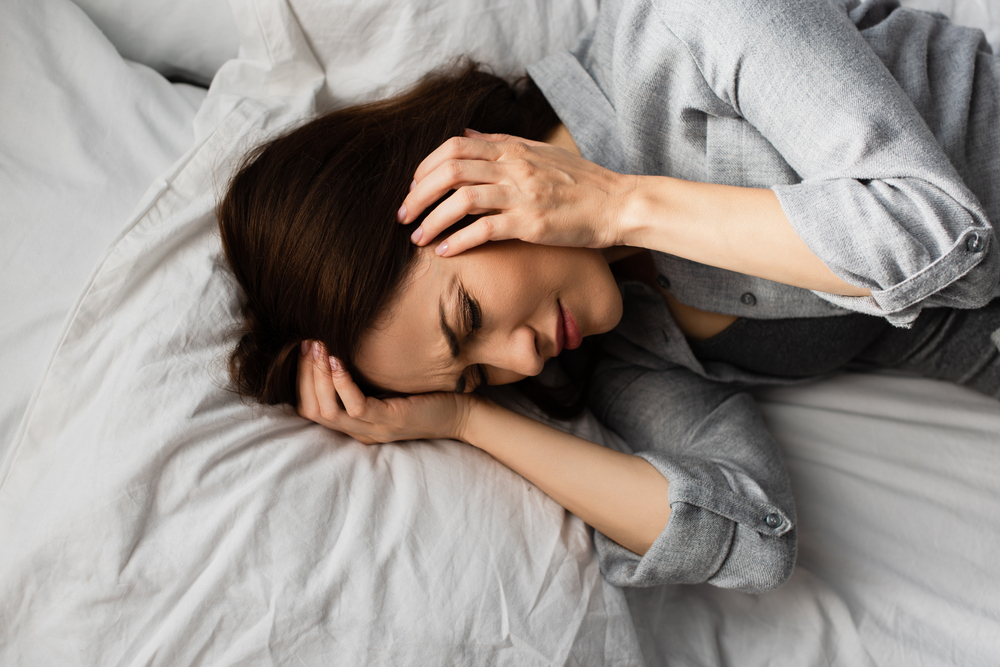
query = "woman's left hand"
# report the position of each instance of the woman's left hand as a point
(321, 380)
(528, 190)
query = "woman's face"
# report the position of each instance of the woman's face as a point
(495, 313)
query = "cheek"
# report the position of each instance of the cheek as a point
(525, 274)
(507, 290)
(515, 295)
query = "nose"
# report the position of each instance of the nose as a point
(516, 352)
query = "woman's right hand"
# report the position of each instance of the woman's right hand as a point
(328, 396)
(529, 190)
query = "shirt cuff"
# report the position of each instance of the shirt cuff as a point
(736, 539)
(913, 244)
(965, 277)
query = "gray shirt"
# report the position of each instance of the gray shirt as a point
(877, 128)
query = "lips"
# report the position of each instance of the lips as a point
(560, 332)
(569, 331)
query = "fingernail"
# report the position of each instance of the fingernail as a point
(315, 349)
(334, 366)
(413, 184)
(417, 234)
(442, 249)
(473, 132)
(305, 348)
(401, 214)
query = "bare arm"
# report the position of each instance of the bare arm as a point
(621, 495)
(550, 195)
(735, 228)
(716, 478)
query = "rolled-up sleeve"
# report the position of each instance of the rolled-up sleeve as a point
(732, 517)
(879, 202)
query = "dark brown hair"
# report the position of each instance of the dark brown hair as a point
(309, 225)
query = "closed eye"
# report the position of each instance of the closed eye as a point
(472, 323)
(472, 316)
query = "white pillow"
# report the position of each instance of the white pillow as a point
(178, 38)
(149, 517)
(364, 46)
(85, 133)
(377, 46)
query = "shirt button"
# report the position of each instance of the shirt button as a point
(974, 242)
(663, 281)
(772, 520)
(748, 299)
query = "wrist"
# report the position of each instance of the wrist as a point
(472, 408)
(633, 211)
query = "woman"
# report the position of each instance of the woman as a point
(713, 99)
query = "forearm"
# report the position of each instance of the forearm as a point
(734, 228)
(622, 496)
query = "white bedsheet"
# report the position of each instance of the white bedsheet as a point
(178, 38)
(148, 517)
(82, 135)
(897, 487)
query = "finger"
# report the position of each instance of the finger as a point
(450, 175)
(474, 134)
(356, 404)
(467, 200)
(486, 228)
(489, 148)
(458, 148)
(326, 395)
(308, 406)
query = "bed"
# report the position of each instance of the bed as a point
(149, 517)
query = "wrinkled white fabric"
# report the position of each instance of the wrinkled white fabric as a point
(898, 503)
(183, 38)
(147, 517)
(84, 133)
(375, 47)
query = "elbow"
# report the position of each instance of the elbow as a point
(777, 566)
(967, 277)
(758, 563)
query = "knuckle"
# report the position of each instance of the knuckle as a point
(488, 225)
(456, 144)
(454, 168)
(327, 412)
(468, 196)
(517, 149)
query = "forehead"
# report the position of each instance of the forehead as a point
(406, 350)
